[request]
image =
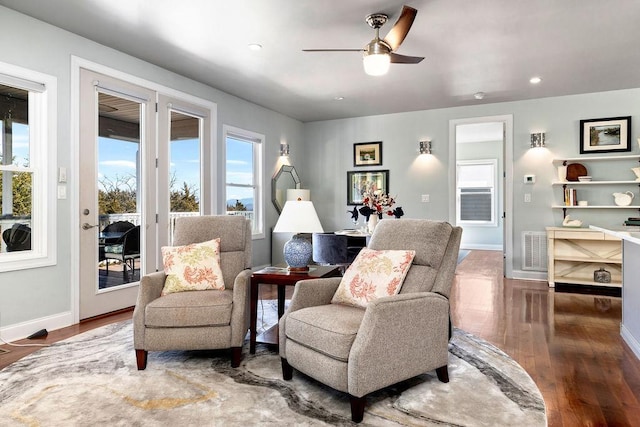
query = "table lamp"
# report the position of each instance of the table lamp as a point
(298, 216)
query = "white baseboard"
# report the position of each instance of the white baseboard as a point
(530, 275)
(480, 247)
(630, 340)
(23, 330)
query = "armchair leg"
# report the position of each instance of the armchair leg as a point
(141, 359)
(443, 374)
(287, 370)
(236, 356)
(357, 408)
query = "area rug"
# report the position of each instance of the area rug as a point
(91, 379)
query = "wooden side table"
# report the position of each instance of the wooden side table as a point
(282, 278)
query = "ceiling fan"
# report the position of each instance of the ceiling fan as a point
(379, 53)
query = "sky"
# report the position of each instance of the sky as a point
(20, 144)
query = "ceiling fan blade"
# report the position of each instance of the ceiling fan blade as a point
(401, 28)
(404, 59)
(333, 50)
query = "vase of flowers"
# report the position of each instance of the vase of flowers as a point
(375, 204)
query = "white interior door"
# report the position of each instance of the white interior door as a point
(116, 185)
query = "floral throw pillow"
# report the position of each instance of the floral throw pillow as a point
(194, 267)
(373, 274)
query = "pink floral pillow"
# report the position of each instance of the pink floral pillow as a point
(372, 275)
(194, 267)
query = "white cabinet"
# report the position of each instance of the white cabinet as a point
(574, 255)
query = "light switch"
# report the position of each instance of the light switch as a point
(62, 191)
(62, 174)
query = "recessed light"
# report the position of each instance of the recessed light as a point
(338, 98)
(535, 80)
(479, 95)
(254, 46)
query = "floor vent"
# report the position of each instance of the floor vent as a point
(534, 250)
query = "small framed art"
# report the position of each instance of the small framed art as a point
(605, 135)
(367, 153)
(358, 181)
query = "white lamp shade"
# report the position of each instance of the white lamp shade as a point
(376, 64)
(298, 194)
(298, 216)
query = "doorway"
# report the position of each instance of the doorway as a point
(481, 185)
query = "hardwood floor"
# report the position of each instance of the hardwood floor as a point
(569, 343)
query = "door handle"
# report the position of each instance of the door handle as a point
(87, 226)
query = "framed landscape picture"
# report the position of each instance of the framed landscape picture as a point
(357, 181)
(605, 135)
(367, 153)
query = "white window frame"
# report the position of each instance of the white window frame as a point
(491, 188)
(42, 90)
(258, 141)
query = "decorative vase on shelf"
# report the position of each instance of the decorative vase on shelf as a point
(371, 224)
(562, 173)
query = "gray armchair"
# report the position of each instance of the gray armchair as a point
(198, 320)
(359, 351)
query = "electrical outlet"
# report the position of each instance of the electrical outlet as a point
(527, 197)
(425, 198)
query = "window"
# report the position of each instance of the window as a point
(476, 184)
(244, 195)
(27, 153)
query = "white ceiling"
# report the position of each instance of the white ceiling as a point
(493, 46)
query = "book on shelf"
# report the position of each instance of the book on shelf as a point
(570, 197)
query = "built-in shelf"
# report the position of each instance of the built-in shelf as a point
(594, 207)
(570, 183)
(586, 192)
(588, 159)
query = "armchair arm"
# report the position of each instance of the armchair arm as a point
(312, 292)
(307, 293)
(400, 337)
(149, 289)
(240, 309)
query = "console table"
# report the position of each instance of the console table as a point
(282, 278)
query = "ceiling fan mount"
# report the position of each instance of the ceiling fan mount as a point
(376, 20)
(379, 53)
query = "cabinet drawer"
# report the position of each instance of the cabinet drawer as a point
(579, 235)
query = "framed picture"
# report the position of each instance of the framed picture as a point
(605, 135)
(367, 153)
(358, 181)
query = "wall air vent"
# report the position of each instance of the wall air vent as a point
(534, 250)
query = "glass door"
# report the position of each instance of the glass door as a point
(117, 122)
(184, 129)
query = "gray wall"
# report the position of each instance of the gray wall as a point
(27, 295)
(329, 148)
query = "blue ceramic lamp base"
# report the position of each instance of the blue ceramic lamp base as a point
(298, 253)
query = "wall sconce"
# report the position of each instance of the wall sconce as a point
(284, 149)
(425, 147)
(537, 140)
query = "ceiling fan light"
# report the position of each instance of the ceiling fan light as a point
(376, 64)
